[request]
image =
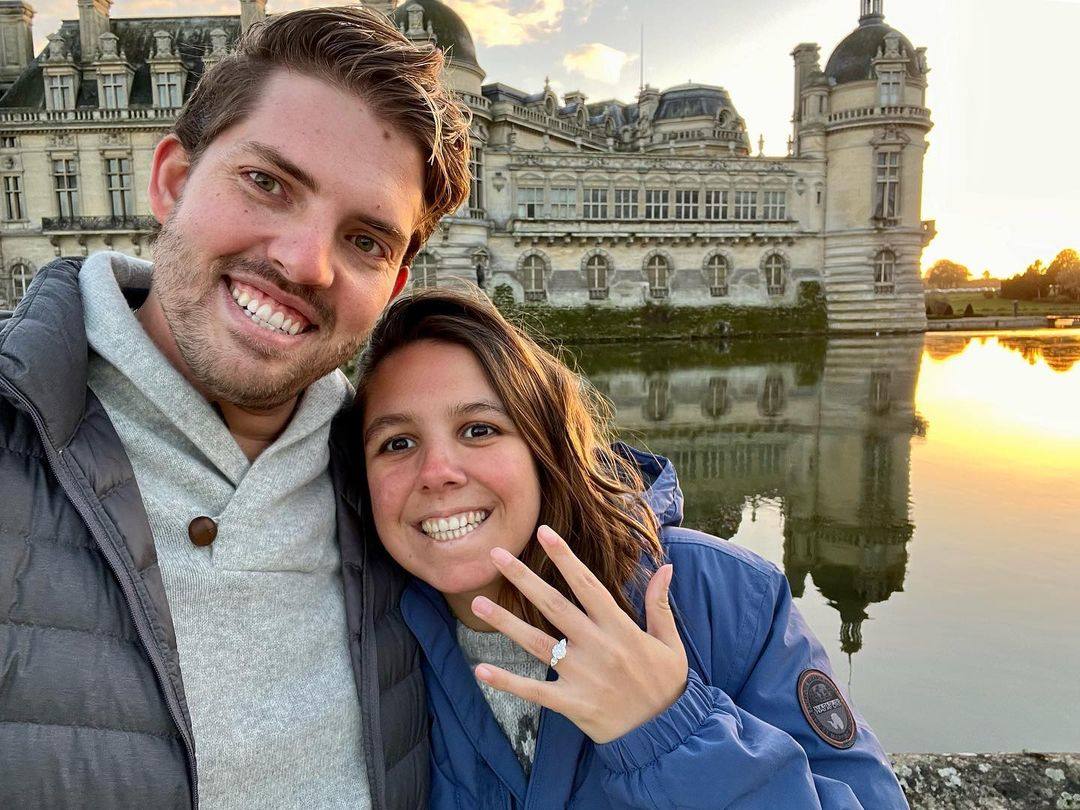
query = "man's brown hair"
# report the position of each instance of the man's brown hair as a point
(360, 51)
(591, 493)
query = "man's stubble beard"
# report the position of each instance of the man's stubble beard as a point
(178, 283)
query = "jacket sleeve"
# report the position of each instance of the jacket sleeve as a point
(744, 742)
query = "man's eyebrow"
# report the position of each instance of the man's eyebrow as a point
(282, 163)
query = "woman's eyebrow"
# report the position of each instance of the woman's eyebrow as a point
(383, 422)
(469, 408)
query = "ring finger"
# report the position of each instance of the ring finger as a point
(531, 639)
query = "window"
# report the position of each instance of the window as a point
(530, 202)
(14, 205)
(8, 141)
(772, 398)
(626, 203)
(476, 185)
(686, 204)
(774, 274)
(167, 84)
(114, 91)
(594, 203)
(66, 183)
(716, 402)
(657, 270)
(884, 272)
(890, 88)
(596, 270)
(533, 281)
(887, 186)
(425, 270)
(716, 270)
(716, 205)
(21, 276)
(656, 203)
(118, 185)
(745, 205)
(61, 92)
(775, 205)
(880, 396)
(563, 202)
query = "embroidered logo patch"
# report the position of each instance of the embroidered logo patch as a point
(825, 709)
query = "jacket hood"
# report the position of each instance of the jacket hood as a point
(662, 491)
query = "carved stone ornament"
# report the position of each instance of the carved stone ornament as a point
(108, 44)
(58, 51)
(62, 140)
(163, 45)
(218, 38)
(114, 137)
(890, 135)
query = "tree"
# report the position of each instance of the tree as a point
(946, 275)
(1027, 286)
(1064, 271)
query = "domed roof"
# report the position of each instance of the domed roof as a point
(691, 100)
(451, 33)
(852, 59)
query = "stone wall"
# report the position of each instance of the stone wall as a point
(990, 781)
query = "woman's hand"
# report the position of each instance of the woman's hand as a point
(615, 676)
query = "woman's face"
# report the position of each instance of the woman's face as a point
(449, 476)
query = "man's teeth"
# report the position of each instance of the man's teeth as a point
(454, 526)
(264, 314)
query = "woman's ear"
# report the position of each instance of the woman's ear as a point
(169, 172)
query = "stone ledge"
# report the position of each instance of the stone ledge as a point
(1025, 780)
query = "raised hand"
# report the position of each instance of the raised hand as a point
(614, 676)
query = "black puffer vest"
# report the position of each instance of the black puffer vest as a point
(92, 709)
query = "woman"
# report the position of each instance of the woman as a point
(581, 649)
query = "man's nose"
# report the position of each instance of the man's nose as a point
(304, 254)
(440, 468)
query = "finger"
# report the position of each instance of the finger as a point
(531, 639)
(556, 608)
(659, 617)
(590, 591)
(541, 693)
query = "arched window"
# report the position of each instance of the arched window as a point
(425, 270)
(772, 398)
(656, 406)
(596, 271)
(532, 269)
(657, 270)
(884, 272)
(716, 402)
(21, 275)
(774, 274)
(716, 270)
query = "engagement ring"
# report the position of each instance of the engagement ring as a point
(558, 652)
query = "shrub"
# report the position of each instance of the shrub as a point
(969, 311)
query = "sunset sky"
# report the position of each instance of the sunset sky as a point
(1003, 171)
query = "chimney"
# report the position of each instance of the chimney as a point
(93, 22)
(16, 40)
(251, 11)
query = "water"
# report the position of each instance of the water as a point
(922, 496)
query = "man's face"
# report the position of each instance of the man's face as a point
(283, 243)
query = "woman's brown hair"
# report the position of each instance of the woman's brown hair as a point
(591, 493)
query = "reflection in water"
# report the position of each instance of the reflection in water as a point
(1060, 353)
(823, 427)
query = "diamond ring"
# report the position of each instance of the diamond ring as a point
(558, 652)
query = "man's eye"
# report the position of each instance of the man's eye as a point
(367, 244)
(397, 444)
(479, 431)
(265, 182)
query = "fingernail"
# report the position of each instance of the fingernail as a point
(545, 534)
(501, 556)
(481, 606)
(483, 672)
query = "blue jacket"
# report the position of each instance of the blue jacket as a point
(737, 737)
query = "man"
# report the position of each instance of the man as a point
(188, 610)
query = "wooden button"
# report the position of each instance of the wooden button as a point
(202, 531)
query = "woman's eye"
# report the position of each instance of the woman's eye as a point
(265, 182)
(366, 244)
(397, 444)
(479, 431)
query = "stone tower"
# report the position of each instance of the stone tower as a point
(16, 40)
(865, 114)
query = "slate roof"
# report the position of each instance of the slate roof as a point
(852, 60)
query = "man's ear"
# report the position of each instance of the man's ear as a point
(169, 172)
(400, 282)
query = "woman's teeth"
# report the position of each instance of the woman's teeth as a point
(264, 314)
(454, 526)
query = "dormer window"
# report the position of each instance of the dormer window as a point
(167, 87)
(61, 92)
(890, 88)
(114, 94)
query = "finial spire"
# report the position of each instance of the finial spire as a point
(871, 10)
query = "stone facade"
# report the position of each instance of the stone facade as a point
(574, 202)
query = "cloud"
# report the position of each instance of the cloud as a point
(506, 22)
(598, 62)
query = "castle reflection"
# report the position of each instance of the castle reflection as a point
(823, 427)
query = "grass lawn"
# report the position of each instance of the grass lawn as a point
(959, 299)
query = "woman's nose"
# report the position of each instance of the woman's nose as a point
(440, 468)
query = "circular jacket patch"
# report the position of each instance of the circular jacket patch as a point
(825, 709)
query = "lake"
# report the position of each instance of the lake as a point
(922, 495)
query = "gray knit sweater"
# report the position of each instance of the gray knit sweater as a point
(259, 615)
